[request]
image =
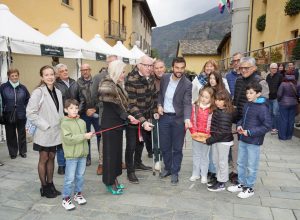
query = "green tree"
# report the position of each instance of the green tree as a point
(155, 53)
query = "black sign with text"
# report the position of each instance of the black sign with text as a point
(47, 50)
(100, 56)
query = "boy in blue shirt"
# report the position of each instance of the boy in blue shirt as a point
(253, 126)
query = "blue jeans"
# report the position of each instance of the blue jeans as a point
(171, 138)
(247, 163)
(286, 121)
(274, 111)
(89, 122)
(75, 169)
(60, 157)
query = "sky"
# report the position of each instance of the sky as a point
(169, 11)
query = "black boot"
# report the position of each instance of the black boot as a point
(54, 190)
(132, 178)
(48, 192)
(61, 170)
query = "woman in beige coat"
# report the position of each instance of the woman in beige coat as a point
(45, 109)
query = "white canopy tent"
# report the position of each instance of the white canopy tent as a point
(22, 38)
(100, 46)
(71, 43)
(120, 50)
(136, 52)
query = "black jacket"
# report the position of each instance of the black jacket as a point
(85, 95)
(274, 83)
(220, 129)
(67, 93)
(240, 98)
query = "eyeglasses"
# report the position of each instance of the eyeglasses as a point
(147, 65)
(246, 68)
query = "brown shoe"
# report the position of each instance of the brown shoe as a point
(99, 169)
(123, 166)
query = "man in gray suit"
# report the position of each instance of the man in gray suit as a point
(174, 107)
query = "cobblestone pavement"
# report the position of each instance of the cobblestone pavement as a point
(277, 192)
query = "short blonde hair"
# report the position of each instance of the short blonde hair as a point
(115, 69)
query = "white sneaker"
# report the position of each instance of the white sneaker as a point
(235, 188)
(203, 179)
(79, 199)
(194, 178)
(246, 193)
(67, 204)
(157, 166)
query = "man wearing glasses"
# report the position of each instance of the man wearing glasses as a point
(87, 105)
(141, 98)
(232, 75)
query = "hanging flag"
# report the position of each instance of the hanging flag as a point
(222, 6)
(228, 5)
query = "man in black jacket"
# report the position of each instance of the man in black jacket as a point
(87, 105)
(274, 80)
(69, 90)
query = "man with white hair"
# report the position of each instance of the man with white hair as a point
(274, 79)
(141, 98)
(69, 90)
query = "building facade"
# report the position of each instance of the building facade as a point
(278, 27)
(142, 25)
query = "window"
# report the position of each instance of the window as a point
(67, 2)
(262, 44)
(141, 17)
(110, 6)
(295, 33)
(91, 8)
(123, 14)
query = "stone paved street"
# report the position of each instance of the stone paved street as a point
(277, 192)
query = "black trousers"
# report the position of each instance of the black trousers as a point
(134, 148)
(112, 155)
(147, 140)
(16, 137)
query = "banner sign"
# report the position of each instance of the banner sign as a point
(100, 56)
(47, 50)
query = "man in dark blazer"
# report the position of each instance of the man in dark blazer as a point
(174, 107)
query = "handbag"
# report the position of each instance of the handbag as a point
(30, 127)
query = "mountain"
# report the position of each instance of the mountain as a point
(210, 25)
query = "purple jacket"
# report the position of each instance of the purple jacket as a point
(286, 94)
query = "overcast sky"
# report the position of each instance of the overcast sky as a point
(169, 11)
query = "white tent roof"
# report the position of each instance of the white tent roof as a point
(23, 38)
(120, 50)
(136, 52)
(99, 45)
(71, 43)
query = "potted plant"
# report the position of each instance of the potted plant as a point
(276, 55)
(292, 7)
(261, 23)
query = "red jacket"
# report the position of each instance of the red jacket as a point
(200, 120)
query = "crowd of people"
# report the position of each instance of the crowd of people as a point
(227, 117)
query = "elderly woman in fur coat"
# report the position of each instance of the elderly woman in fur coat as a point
(115, 106)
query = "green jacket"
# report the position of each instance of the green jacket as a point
(73, 141)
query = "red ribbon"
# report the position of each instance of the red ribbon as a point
(108, 129)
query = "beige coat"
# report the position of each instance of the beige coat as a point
(45, 116)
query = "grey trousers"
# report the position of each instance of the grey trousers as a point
(200, 158)
(220, 159)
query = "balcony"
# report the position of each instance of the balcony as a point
(114, 30)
